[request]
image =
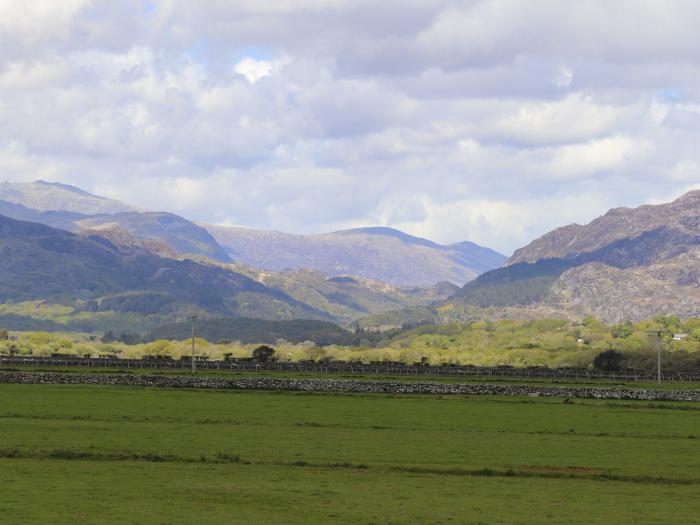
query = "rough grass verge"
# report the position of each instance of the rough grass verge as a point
(523, 471)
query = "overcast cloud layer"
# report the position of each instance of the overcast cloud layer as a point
(493, 121)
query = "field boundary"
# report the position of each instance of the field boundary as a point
(347, 386)
(338, 367)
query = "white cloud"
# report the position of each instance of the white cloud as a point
(604, 155)
(490, 120)
(252, 69)
(571, 119)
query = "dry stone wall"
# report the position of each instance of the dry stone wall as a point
(347, 386)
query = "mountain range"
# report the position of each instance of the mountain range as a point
(380, 254)
(114, 272)
(98, 256)
(107, 268)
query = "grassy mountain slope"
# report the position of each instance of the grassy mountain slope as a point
(380, 254)
(183, 236)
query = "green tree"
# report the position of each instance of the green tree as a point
(263, 353)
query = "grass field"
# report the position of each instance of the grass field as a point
(92, 454)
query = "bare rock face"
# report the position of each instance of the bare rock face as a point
(621, 294)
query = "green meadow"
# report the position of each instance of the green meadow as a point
(95, 454)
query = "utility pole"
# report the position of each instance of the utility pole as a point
(658, 357)
(657, 333)
(194, 365)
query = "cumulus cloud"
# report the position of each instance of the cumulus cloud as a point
(488, 120)
(252, 69)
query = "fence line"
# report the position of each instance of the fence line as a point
(395, 369)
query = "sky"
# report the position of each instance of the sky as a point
(493, 121)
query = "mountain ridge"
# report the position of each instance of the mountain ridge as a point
(379, 253)
(617, 224)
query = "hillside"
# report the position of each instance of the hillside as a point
(256, 331)
(182, 236)
(108, 272)
(185, 237)
(629, 264)
(39, 262)
(347, 298)
(380, 254)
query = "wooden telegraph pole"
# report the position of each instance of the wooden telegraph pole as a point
(194, 365)
(657, 333)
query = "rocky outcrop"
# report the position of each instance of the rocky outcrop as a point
(615, 295)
